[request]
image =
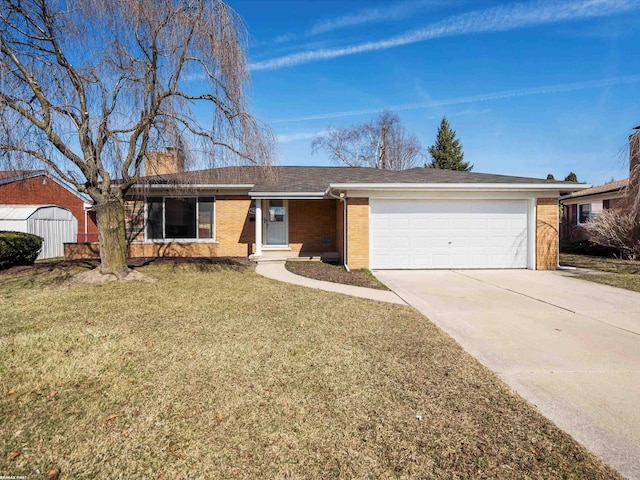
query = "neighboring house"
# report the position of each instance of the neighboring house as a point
(583, 206)
(37, 187)
(413, 219)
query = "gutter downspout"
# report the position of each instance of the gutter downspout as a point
(343, 199)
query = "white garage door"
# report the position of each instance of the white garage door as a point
(448, 234)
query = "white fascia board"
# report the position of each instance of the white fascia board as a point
(458, 186)
(203, 186)
(610, 195)
(452, 194)
(287, 195)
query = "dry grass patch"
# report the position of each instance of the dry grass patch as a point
(620, 273)
(216, 372)
(335, 273)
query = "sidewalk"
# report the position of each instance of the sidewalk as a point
(277, 271)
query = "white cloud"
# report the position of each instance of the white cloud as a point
(558, 88)
(495, 19)
(362, 17)
(295, 137)
(372, 15)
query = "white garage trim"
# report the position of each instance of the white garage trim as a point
(451, 233)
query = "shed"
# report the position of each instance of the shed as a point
(55, 224)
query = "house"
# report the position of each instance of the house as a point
(580, 207)
(413, 219)
(38, 187)
(583, 206)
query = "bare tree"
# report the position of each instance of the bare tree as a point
(617, 228)
(620, 227)
(88, 88)
(633, 186)
(381, 143)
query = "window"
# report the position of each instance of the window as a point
(276, 210)
(589, 211)
(584, 213)
(180, 218)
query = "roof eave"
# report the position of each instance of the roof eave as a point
(619, 190)
(208, 186)
(458, 186)
(288, 195)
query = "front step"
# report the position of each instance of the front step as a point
(279, 257)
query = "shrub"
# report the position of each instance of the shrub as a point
(618, 229)
(585, 247)
(17, 248)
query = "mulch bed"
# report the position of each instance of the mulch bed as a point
(335, 273)
(48, 266)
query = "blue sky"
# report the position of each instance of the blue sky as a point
(531, 87)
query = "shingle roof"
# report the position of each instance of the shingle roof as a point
(317, 179)
(16, 174)
(611, 187)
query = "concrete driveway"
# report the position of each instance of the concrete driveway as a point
(570, 347)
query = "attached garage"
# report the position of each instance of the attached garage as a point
(442, 234)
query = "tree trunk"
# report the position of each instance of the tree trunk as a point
(111, 234)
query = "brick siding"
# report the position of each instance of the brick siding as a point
(547, 234)
(340, 228)
(235, 234)
(311, 222)
(358, 232)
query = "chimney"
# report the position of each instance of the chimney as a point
(163, 163)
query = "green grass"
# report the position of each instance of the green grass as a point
(620, 273)
(216, 372)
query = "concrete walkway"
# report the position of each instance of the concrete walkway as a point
(277, 271)
(570, 347)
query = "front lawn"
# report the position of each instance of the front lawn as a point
(216, 372)
(620, 273)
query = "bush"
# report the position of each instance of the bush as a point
(17, 248)
(618, 229)
(585, 247)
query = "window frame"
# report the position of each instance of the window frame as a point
(579, 213)
(595, 210)
(197, 220)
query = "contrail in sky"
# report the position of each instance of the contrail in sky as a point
(559, 88)
(496, 19)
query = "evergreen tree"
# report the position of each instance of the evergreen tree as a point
(550, 176)
(571, 177)
(447, 152)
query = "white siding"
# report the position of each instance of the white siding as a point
(56, 225)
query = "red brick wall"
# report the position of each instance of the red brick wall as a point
(309, 222)
(44, 191)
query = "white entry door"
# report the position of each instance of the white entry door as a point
(275, 223)
(448, 234)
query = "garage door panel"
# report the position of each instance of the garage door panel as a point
(448, 234)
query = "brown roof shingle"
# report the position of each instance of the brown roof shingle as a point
(317, 179)
(611, 187)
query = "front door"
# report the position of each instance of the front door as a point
(275, 223)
